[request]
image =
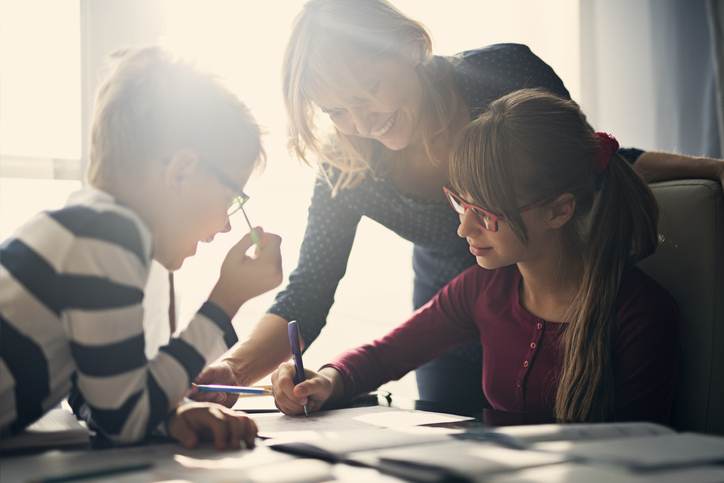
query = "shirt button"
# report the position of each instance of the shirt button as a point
(517, 384)
(539, 326)
(525, 363)
(532, 345)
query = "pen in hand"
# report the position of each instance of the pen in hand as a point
(299, 376)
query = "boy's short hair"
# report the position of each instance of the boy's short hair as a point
(152, 105)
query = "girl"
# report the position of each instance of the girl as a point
(395, 108)
(569, 327)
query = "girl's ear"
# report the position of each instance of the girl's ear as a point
(561, 210)
(181, 169)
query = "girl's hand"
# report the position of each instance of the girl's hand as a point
(315, 391)
(194, 422)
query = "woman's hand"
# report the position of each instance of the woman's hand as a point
(317, 389)
(219, 372)
(194, 422)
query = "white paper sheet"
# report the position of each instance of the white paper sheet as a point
(279, 425)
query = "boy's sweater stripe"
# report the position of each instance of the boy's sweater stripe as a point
(112, 359)
(26, 362)
(186, 355)
(32, 271)
(105, 225)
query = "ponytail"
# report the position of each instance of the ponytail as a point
(624, 221)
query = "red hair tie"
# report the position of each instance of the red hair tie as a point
(607, 147)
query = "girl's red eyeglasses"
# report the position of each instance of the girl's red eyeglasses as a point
(487, 219)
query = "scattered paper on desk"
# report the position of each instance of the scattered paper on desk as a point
(574, 472)
(470, 459)
(647, 453)
(400, 419)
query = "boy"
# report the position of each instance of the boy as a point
(170, 153)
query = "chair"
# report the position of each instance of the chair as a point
(689, 263)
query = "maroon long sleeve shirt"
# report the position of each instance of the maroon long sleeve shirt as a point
(522, 353)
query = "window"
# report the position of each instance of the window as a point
(40, 107)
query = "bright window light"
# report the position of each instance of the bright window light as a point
(40, 78)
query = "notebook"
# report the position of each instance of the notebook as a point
(58, 427)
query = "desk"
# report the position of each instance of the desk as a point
(173, 463)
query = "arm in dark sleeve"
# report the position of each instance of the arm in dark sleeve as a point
(447, 320)
(331, 228)
(646, 362)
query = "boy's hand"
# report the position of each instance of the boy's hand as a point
(314, 391)
(244, 277)
(192, 422)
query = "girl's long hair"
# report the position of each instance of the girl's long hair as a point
(327, 36)
(530, 146)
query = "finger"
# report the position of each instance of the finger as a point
(185, 434)
(270, 245)
(236, 431)
(217, 397)
(250, 431)
(286, 389)
(229, 400)
(287, 405)
(215, 422)
(244, 244)
(309, 388)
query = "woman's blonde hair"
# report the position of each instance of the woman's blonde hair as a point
(531, 146)
(152, 105)
(327, 36)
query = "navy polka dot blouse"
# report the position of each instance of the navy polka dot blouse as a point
(482, 75)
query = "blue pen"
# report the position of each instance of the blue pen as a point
(261, 391)
(299, 377)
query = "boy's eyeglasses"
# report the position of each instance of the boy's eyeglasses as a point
(487, 219)
(237, 203)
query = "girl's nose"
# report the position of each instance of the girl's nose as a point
(469, 224)
(227, 226)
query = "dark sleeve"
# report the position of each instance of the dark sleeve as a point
(487, 74)
(331, 228)
(446, 321)
(646, 358)
(630, 154)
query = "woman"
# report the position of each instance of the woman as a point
(569, 326)
(395, 110)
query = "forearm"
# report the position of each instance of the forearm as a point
(262, 352)
(655, 166)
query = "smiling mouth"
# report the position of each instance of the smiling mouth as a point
(385, 127)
